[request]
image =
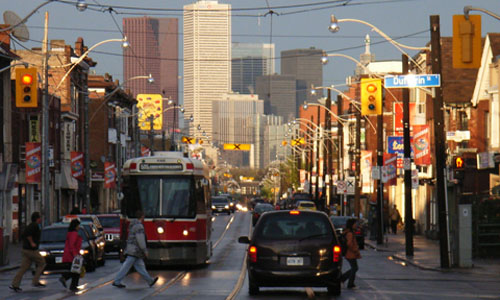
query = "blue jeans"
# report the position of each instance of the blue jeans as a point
(139, 266)
(351, 274)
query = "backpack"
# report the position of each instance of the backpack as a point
(343, 243)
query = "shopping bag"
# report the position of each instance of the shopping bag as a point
(83, 272)
(76, 265)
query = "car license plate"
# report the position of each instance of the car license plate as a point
(294, 261)
(58, 260)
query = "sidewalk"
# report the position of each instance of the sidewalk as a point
(426, 255)
(13, 257)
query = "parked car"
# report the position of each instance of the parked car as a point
(294, 249)
(52, 242)
(111, 224)
(221, 204)
(306, 205)
(339, 222)
(97, 238)
(259, 210)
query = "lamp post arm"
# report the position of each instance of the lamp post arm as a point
(385, 36)
(13, 65)
(83, 56)
(468, 8)
(350, 58)
(329, 111)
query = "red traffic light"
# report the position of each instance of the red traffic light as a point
(371, 88)
(27, 79)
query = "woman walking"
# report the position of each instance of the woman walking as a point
(352, 254)
(71, 249)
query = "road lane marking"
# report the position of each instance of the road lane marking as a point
(241, 278)
(225, 230)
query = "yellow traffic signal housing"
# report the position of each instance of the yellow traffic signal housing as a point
(466, 42)
(371, 96)
(26, 87)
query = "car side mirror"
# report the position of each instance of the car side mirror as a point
(243, 240)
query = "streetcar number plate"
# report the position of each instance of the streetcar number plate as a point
(58, 260)
(294, 261)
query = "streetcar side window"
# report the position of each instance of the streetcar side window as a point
(199, 195)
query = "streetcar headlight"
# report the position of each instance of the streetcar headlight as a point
(160, 230)
(44, 253)
(185, 232)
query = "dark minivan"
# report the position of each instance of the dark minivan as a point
(294, 249)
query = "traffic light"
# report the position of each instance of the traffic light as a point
(466, 42)
(459, 163)
(458, 168)
(371, 96)
(26, 87)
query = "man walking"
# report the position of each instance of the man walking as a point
(31, 241)
(395, 218)
(135, 251)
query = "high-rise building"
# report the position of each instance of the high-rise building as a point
(304, 64)
(154, 50)
(279, 93)
(250, 60)
(207, 59)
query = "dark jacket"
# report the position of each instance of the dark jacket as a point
(34, 231)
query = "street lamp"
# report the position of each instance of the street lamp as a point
(81, 5)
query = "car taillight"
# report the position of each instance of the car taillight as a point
(294, 212)
(358, 232)
(337, 254)
(133, 166)
(189, 166)
(252, 253)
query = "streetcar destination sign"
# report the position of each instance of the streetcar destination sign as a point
(159, 167)
(412, 80)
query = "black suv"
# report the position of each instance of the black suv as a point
(221, 204)
(52, 246)
(294, 249)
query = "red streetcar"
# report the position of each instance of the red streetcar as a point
(174, 193)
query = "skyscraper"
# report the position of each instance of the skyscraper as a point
(207, 59)
(250, 60)
(304, 64)
(154, 50)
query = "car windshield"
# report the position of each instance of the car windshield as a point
(90, 229)
(263, 208)
(219, 200)
(292, 227)
(110, 222)
(58, 235)
(306, 204)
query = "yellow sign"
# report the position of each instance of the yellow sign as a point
(188, 140)
(466, 42)
(150, 106)
(298, 142)
(240, 147)
(371, 96)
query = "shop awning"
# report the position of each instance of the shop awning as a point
(66, 180)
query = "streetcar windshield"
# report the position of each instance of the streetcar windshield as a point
(162, 196)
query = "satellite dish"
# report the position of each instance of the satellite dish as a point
(19, 30)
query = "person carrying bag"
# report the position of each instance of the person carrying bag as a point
(72, 255)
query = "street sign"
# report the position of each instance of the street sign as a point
(240, 147)
(188, 140)
(350, 181)
(412, 80)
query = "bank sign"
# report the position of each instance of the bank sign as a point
(412, 80)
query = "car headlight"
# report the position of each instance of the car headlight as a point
(213, 206)
(83, 252)
(101, 244)
(44, 253)
(227, 206)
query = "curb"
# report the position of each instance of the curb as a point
(9, 268)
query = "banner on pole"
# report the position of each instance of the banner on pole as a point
(33, 162)
(422, 144)
(77, 165)
(389, 170)
(366, 171)
(109, 175)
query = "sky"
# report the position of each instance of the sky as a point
(292, 24)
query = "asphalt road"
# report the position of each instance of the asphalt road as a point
(379, 277)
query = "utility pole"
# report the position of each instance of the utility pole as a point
(316, 192)
(45, 184)
(86, 141)
(439, 143)
(340, 162)
(380, 184)
(151, 137)
(407, 164)
(357, 159)
(311, 162)
(328, 171)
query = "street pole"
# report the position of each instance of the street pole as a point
(340, 136)
(151, 137)
(328, 121)
(86, 143)
(311, 162)
(407, 164)
(357, 159)
(45, 188)
(316, 192)
(380, 184)
(439, 142)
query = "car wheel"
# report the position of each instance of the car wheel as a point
(102, 262)
(334, 289)
(228, 213)
(253, 289)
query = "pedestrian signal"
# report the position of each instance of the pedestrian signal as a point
(459, 162)
(26, 87)
(371, 96)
